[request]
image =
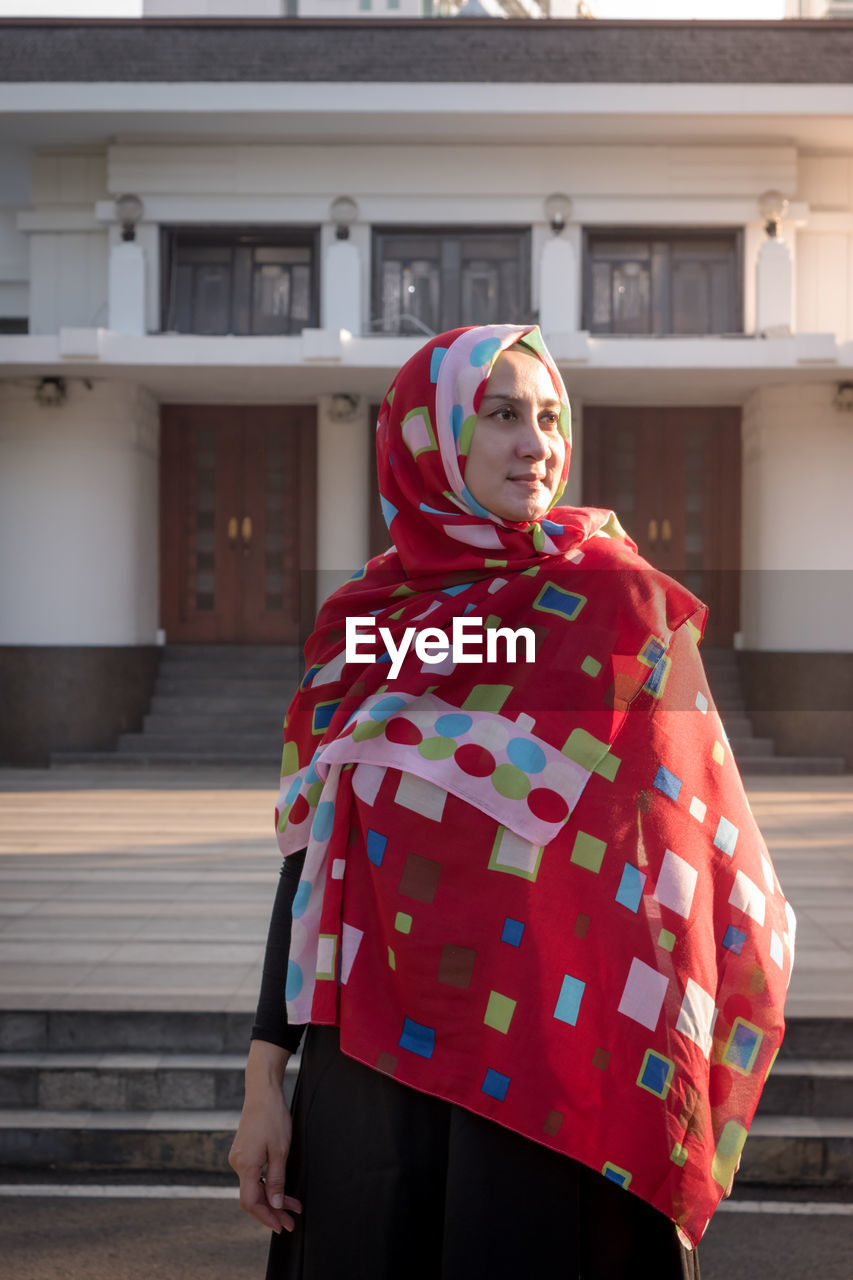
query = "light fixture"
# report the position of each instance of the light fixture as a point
(343, 212)
(843, 398)
(772, 206)
(129, 210)
(343, 407)
(558, 210)
(51, 392)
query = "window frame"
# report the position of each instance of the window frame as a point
(668, 234)
(231, 236)
(460, 231)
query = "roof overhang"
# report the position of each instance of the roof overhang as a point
(74, 114)
(84, 82)
(264, 370)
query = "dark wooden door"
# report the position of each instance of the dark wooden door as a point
(237, 523)
(672, 475)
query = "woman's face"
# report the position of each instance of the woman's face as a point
(515, 459)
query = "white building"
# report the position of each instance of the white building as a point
(186, 415)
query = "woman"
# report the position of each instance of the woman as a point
(537, 935)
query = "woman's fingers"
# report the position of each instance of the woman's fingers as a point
(257, 1199)
(253, 1200)
(274, 1191)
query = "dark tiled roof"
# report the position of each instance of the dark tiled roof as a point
(428, 52)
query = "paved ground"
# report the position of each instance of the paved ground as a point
(140, 888)
(136, 888)
(141, 1239)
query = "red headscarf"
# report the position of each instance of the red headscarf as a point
(532, 888)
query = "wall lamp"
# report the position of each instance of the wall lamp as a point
(51, 392)
(343, 212)
(843, 398)
(129, 210)
(343, 407)
(558, 210)
(772, 206)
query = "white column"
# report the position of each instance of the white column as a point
(797, 520)
(559, 286)
(126, 306)
(341, 277)
(342, 491)
(79, 516)
(774, 288)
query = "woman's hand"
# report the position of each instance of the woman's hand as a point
(261, 1145)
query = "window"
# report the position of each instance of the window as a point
(241, 282)
(426, 281)
(662, 282)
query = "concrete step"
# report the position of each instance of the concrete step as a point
(142, 758)
(729, 704)
(210, 706)
(736, 726)
(235, 652)
(799, 1151)
(217, 740)
(810, 1038)
(196, 724)
(808, 1087)
(111, 1031)
(188, 672)
(226, 686)
(141, 1141)
(126, 1081)
(752, 747)
(151, 1081)
(724, 681)
(790, 765)
(169, 1031)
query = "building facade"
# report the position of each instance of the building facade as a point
(219, 239)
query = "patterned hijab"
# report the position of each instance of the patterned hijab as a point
(423, 436)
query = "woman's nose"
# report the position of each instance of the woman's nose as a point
(533, 441)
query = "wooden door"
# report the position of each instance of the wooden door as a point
(672, 475)
(237, 523)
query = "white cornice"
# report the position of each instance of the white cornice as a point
(250, 98)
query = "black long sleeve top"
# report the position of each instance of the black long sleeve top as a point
(271, 1016)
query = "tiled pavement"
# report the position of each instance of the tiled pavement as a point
(142, 888)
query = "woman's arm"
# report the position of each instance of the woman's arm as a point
(262, 1143)
(271, 1017)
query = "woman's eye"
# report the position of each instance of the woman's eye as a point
(504, 414)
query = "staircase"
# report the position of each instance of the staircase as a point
(212, 704)
(143, 1093)
(802, 1135)
(133, 1092)
(753, 755)
(224, 704)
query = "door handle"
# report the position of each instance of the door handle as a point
(666, 533)
(232, 532)
(246, 534)
(653, 532)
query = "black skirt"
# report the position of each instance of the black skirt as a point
(398, 1185)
